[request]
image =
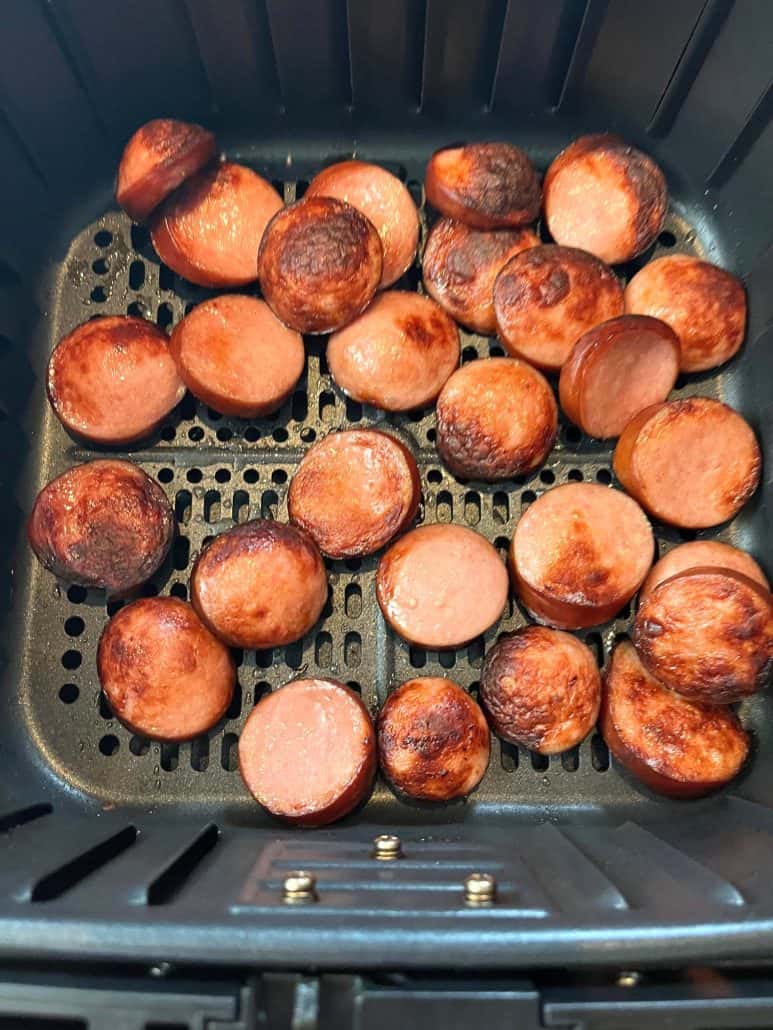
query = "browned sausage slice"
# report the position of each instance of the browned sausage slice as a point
(354, 491)
(460, 266)
(433, 741)
(673, 746)
(307, 752)
(237, 357)
(485, 185)
(616, 370)
(165, 675)
(384, 201)
(113, 380)
(441, 586)
(496, 418)
(707, 633)
(546, 297)
(606, 197)
(159, 156)
(702, 554)
(703, 304)
(319, 264)
(397, 355)
(579, 554)
(262, 584)
(693, 462)
(209, 231)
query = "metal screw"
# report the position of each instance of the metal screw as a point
(480, 889)
(387, 847)
(299, 887)
(628, 978)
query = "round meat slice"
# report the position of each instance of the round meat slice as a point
(485, 185)
(260, 585)
(616, 370)
(606, 197)
(159, 156)
(397, 355)
(673, 746)
(441, 586)
(105, 524)
(354, 491)
(113, 380)
(546, 297)
(693, 462)
(703, 304)
(702, 554)
(165, 675)
(237, 357)
(307, 752)
(433, 741)
(210, 229)
(496, 418)
(384, 201)
(460, 266)
(541, 688)
(579, 554)
(707, 633)
(319, 264)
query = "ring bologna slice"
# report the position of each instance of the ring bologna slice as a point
(384, 201)
(541, 688)
(159, 156)
(579, 554)
(703, 304)
(616, 370)
(460, 265)
(485, 185)
(546, 297)
(319, 264)
(433, 741)
(441, 586)
(606, 197)
(693, 462)
(262, 584)
(113, 380)
(165, 675)
(707, 633)
(354, 491)
(673, 746)
(210, 229)
(105, 524)
(702, 554)
(496, 418)
(307, 752)
(396, 356)
(237, 357)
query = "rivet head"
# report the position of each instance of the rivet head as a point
(480, 889)
(299, 887)
(387, 847)
(628, 978)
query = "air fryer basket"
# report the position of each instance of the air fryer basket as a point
(119, 848)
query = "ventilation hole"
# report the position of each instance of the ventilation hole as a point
(251, 476)
(280, 435)
(76, 594)
(572, 434)
(136, 275)
(99, 267)
(140, 237)
(24, 815)
(264, 659)
(352, 650)
(353, 410)
(112, 607)
(207, 541)
(501, 508)
(539, 762)
(294, 654)
(278, 476)
(299, 408)
(353, 601)
(103, 238)
(252, 434)
(168, 433)
(323, 650)
(417, 657)
(496, 351)
(170, 757)
(327, 610)
(570, 760)
(447, 659)
(71, 659)
(353, 564)
(474, 689)
(502, 544)
(69, 875)
(164, 316)
(169, 884)
(103, 707)
(193, 475)
(212, 506)
(308, 435)
(508, 756)
(181, 552)
(681, 382)
(138, 309)
(238, 656)
(188, 406)
(687, 534)
(604, 476)
(235, 707)
(574, 476)
(599, 753)
(109, 745)
(224, 434)
(475, 652)
(444, 507)
(182, 506)
(222, 476)
(69, 693)
(139, 746)
(200, 754)
(269, 502)
(98, 295)
(196, 434)
(229, 753)
(166, 282)
(434, 476)
(355, 686)
(165, 475)
(667, 239)
(547, 476)
(74, 626)
(595, 643)
(528, 497)
(469, 354)
(625, 612)
(472, 508)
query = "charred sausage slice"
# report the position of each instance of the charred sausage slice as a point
(702, 554)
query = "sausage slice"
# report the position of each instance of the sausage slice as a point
(165, 675)
(606, 197)
(307, 752)
(262, 584)
(441, 586)
(705, 554)
(496, 418)
(319, 264)
(397, 355)
(354, 491)
(546, 297)
(210, 229)
(617, 369)
(105, 524)
(707, 633)
(384, 201)
(541, 688)
(433, 741)
(579, 554)
(237, 357)
(159, 156)
(675, 747)
(113, 380)
(693, 462)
